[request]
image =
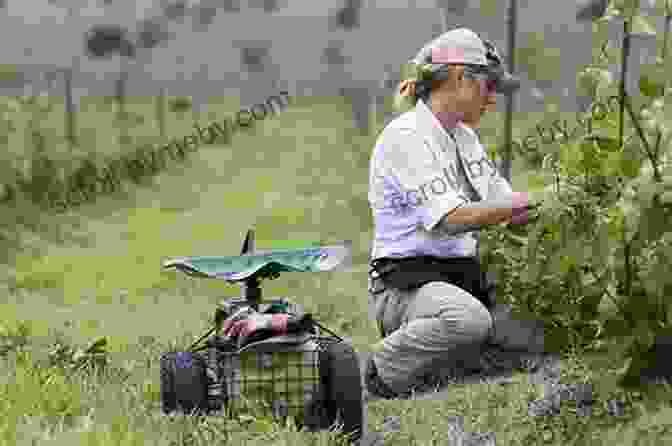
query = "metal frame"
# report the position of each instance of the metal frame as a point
(227, 382)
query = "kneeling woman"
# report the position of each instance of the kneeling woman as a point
(432, 186)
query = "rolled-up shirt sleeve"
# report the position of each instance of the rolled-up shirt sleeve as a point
(426, 184)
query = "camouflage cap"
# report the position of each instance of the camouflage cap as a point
(462, 46)
(458, 46)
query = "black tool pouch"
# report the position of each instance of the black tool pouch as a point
(414, 272)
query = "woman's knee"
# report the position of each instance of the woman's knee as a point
(458, 307)
(478, 320)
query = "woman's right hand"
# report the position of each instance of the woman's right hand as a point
(520, 207)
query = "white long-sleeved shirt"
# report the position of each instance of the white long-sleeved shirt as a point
(416, 178)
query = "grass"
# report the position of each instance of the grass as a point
(296, 178)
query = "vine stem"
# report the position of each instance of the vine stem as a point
(647, 147)
(556, 173)
(628, 266)
(624, 72)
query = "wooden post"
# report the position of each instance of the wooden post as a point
(120, 96)
(361, 106)
(161, 111)
(120, 93)
(70, 124)
(375, 105)
(508, 122)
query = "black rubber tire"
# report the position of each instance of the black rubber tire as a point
(183, 383)
(341, 377)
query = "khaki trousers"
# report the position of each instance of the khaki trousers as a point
(437, 326)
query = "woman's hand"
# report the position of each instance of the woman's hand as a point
(521, 206)
(524, 209)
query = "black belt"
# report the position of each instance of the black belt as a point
(413, 272)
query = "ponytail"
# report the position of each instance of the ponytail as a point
(405, 96)
(412, 86)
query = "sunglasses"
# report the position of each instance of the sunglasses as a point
(478, 73)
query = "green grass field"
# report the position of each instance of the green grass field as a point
(141, 123)
(301, 175)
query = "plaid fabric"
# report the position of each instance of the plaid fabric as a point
(279, 384)
(244, 327)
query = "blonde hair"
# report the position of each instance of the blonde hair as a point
(406, 95)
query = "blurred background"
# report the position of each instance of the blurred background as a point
(253, 48)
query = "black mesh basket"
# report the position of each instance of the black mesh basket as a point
(281, 378)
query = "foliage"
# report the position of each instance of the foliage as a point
(595, 263)
(38, 169)
(180, 104)
(16, 339)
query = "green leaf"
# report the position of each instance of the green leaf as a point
(567, 263)
(661, 7)
(653, 78)
(516, 239)
(589, 160)
(98, 345)
(614, 10)
(623, 371)
(666, 197)
(606, 143)
(587, 82)
(245, 418)
(630, 162)
(640, 27)
(627, 8)
(650, 87)
(261, 425)
(647, 190)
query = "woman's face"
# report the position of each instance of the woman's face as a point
(471, 97)
(489, 101)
